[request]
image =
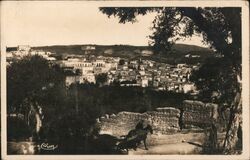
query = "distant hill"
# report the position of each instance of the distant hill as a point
(176, 55)
(116, 50)
(189, 48)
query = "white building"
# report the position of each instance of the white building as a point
(51, 58)
(88, 49)
(117, 59)
(99, 63)
(71, 80)
(147, 53)
(89, 77)
(9, 55)
(144, 82)
(107, 67)
(87, 67)
(181, 65)
(142, 73)
(189, 87)
(23, 48)
(76, 63)
(45, 55)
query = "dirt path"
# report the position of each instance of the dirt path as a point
(179, 143)
(177, 148)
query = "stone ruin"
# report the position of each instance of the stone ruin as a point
(196, 113)
(166, 120)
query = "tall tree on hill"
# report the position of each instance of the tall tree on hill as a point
(219, 27)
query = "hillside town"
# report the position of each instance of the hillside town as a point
(87, 79)
(125, 72)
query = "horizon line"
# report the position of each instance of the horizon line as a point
(97, 45)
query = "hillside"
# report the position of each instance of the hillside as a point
(176, 55)
(188, 48)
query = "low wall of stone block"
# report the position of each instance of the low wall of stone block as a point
(164, 121)
(197, 113)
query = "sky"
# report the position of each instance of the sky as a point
(38, 23)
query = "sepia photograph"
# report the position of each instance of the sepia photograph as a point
(141, 79)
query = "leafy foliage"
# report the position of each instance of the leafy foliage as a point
(97, 101)
(17, 129)
(32, 79)
(101, 79)
(216, 85)
(127, 14)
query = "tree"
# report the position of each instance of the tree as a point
(216, 81)
(31, 78)
(71, 132)
(219, 27)
(101, 79)
(33, 84)
(122, 62)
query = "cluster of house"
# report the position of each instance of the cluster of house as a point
(25, 50)
(148, 73)
(86, 68)
(125, 72)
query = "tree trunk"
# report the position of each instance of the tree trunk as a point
(35, 120)
(235, 120)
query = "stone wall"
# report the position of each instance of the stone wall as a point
(197, 113)
(164, 121)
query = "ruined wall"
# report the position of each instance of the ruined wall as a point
(164, 120)
(196, 113)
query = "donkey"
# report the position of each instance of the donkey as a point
(135, 137)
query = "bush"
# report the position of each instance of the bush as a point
(70, 132)
(17, 129)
